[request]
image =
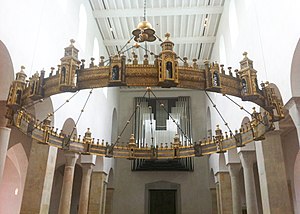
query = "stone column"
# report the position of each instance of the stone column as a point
(224, 193)
(97, 192)
(273, 180)
(109, 200)
(4, 141)
(67, 186)
(214, 200)
(39, 179)
(293, 105)
(103, 207)
(4, 137)
(247, 159)
(218, 198)
(87, 163)
(234, 171)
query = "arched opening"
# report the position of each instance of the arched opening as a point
(96, 49)
(6, 71)
(216, 79)
(290, 148)
(114, 126)
(109, 192)
(295, 72)
(82, 27)
(115, 72)
(63, 75)
(6, 77)
(13, 181)
(234, 25)
(244, 87)
(169, 70)
(208, 123)
(69, 128)
(222, 50)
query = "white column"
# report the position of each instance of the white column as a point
(293, 105)
(234, 171)
(272, 175)
(87, 163)
(66, 192)
(224, 193)
(97, 193)
(247, 159)
(85, 187)
(4, 140)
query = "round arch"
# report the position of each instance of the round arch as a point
(6, 71)
(69, 127)
(295, 72)
(114, 126)
(13, 182)
(6, 77)
(208, 123)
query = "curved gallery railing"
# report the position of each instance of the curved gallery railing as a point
(72, 75)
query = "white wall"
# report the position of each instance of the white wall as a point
(266, 30)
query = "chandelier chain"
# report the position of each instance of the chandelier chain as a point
(127, 123)
(215, 106)
(242, 108)
(173, 120)
(144, 10)
(82, 110)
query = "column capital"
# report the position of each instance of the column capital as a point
(87, 167)
(5, 128)
(273, 133)
(234, 169)
(293, 102)
(88, 159)
(247, 158)
(71, 158)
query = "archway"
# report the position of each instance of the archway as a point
(12, 186)
(114, 126)
(6, 71)
(208, 123)
(295, 72)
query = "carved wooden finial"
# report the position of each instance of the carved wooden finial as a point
(72, 42)
(136, 45)
(245, 54)
(167, 35)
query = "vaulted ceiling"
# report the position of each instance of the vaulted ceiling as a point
(193, 24)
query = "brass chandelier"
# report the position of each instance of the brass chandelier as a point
(165, 71)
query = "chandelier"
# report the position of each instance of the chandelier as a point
(165, 71)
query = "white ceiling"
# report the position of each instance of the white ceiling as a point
(193, 24)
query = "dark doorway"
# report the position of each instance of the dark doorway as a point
(162, 201)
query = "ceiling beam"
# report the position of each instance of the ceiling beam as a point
(176, 40)
(138, 12)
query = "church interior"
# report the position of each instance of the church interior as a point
(149, 106)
